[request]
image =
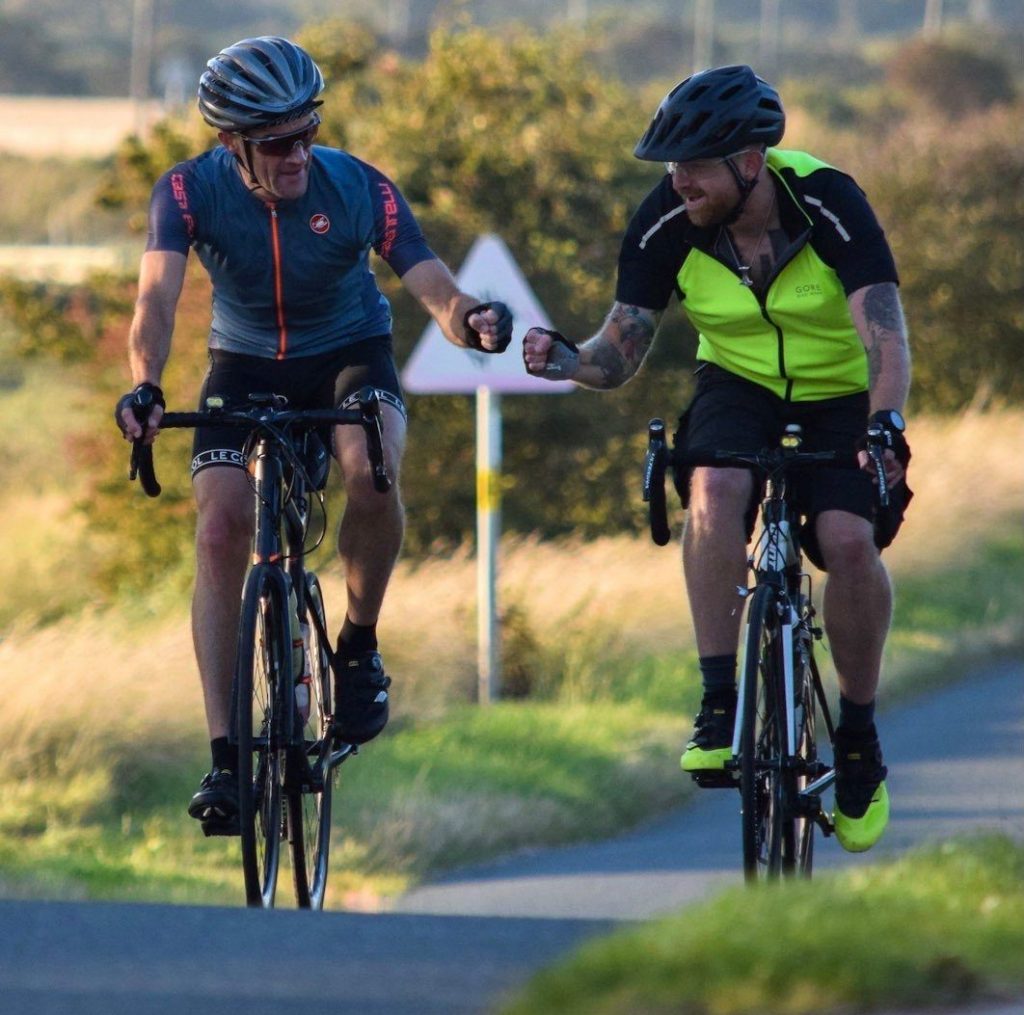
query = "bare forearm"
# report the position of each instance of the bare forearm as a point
(149, 338)
(149, 341)
(616, 352)
(878, 317)
(436, 289)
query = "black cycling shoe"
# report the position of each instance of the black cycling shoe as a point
(216, 803)
(360, 697)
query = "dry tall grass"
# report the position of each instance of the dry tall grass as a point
(68, 126)
(102, 680)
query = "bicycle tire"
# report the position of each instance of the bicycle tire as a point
(807, 754)
(762, 740)
(264, 665)
(309, 808)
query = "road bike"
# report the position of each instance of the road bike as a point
(288, 757)
(775, 763)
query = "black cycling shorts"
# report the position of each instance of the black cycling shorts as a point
(329, 380)
(729, 413)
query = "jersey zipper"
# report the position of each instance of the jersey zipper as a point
(791, 252)
(275, 243)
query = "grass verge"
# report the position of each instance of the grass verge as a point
(939, 926)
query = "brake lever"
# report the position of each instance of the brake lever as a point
(876, 445)
(369, 407)
(654, 482)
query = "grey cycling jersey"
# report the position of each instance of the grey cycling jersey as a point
(292, 278)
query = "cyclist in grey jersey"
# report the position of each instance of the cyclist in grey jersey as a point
(285, 229)
(290, 278)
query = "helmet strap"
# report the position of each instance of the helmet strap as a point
(249, 167)
(746, 188)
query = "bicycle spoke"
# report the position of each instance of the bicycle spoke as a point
(761, 742)
(262, 643)
(309, 808)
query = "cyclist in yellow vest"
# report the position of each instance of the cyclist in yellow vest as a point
(781, 266)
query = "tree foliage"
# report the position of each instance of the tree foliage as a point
(953, 78)
(954, 210)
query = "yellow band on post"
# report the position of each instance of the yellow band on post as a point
(488, 490)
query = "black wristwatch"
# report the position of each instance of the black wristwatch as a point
(890, 420)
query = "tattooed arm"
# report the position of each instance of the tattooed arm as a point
(878, 318)
(611, 357)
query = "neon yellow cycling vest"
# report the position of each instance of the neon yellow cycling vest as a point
(797, 339)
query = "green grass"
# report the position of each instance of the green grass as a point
(945, 623)
(413, 803)
(939, 926)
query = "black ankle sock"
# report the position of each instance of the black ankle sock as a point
(856, 720)
(355, 638)
(225, 755)
(718, 674)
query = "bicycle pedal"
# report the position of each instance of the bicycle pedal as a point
(714, 779)
(221, 826)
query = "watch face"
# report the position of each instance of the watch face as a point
(890, 419)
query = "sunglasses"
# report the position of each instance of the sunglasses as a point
(284, 144)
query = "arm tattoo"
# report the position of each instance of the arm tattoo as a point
(884, 319)
(623, 343)
(636, 333)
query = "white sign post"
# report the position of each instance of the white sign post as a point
(436, 367)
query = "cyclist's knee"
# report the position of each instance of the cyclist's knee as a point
(847, 544)
(362, 496)
(222, 534)
(719, 495)
(224, 514)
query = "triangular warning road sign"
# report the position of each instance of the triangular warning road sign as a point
(436, 367)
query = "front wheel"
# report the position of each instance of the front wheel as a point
(309, 802)
(807, 756)
(264, 666)
(762, 740)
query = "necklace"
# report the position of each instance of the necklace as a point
(744, 269)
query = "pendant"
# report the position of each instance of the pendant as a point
(745, 279)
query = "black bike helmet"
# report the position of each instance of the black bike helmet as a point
(258, 83)
(712, 114)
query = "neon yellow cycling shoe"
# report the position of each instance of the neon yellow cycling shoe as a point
(710, 747)
(862, 802)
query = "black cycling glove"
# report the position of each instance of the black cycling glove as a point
(503, 326)
(141, 401)
(893, 437)
(888, 519)
(563, 356)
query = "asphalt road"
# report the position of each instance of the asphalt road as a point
(956, 764)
